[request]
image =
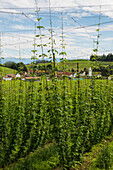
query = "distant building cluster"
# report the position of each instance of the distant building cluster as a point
(24, 76)
(37, 76)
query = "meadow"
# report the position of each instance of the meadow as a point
(72, 64)
(68, 65)
(5, 70)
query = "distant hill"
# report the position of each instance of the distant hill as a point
(72, 64)
(5, 70)
(17, 60)
(24, 60)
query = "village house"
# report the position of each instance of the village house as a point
(110, 77)
(13, 76)
(39, 72)
(9, 77)
(63, 74)
(90, 72)
(27, 75)
(17, 75)
(32, 78)
(82, 74)
(98, 74)
(30, 71)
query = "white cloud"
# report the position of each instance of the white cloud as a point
(108, 39)
(74, 36)
(107, 28)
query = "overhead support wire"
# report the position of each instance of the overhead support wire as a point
(106, 5)
(55, 12)
(98, 36)
(37, 12)
(81, 26)
(34, 31)
(0, 47)
(17, 43)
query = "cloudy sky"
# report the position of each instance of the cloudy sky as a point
(80, 22)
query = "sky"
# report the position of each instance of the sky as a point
(77, 26)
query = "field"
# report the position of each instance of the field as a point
(5, 70)
(67, 65)
(71, 115)
(72, 64)
(64, 118)
(56, 113)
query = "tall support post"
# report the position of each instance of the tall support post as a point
(54, 63)
(78, 76)
(51, 31)
(0, 47)
(34, 48)
(34, 36)
(63, 42)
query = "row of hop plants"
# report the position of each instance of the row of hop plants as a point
(33, 114)
(74, 115)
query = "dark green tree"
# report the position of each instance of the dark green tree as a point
(11, 64)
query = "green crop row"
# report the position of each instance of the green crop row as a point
(74, 114)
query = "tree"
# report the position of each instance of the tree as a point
(72, 70)
(49, 67)
(103, 57)
(109, 57)
(11, 64)
(21, 67)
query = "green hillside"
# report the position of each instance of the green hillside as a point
(5, 70)
(69, 64)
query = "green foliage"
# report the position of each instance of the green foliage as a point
(38, 19)
(17, 66)
(104, 159)
(74, 114)
(11, 64)
(108, 57)
(21, 67)
(6, 70)
(95, 50)
(40, 27)
(41, 158)
(62, 53)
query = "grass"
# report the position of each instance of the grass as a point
(103, 160)
(5, 70)
(42, 158)
(72, 64)
(47, 158)
(100, 157)
(69, 65)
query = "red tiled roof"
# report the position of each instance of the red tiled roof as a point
(30, 71)
(29, 78)
(39, 71)
(10, 75)
(64, 73)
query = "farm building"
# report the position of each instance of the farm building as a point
(32, 78)
(9, 77)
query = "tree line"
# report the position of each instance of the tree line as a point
(105, 71)
(16, 66)
(108, 57)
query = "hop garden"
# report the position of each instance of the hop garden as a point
(62, 116)
(72, 116)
